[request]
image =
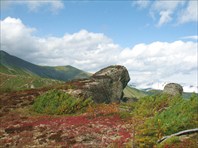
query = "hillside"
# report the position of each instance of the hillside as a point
(131, 92)
(22, 82)
(17, 74)
(15, 66)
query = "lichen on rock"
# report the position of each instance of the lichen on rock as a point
(105, 86)
(173, 89)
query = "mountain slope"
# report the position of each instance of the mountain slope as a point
(131, 92)
(13, 65)
(10, 82)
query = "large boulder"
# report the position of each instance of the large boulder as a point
(116, 73)
(173, 89)
(104, 86)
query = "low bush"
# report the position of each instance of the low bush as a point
(57, 102)
(162, 115)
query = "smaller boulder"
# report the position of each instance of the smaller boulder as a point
(173, 89)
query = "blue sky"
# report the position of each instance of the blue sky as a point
(155, 40)
(122, 21)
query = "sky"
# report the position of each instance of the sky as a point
(155, 40)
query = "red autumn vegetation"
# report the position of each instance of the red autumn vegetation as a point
(75, 131)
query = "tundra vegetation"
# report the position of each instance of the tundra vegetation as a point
(153, 117)
(55, 118)
(37, 111)
(147, 120)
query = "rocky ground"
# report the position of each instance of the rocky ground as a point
(22, 128)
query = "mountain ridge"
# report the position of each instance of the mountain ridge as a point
(13, 65)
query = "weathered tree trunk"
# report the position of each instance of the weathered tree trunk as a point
(185, 132)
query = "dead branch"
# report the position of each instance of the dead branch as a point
(185, 132)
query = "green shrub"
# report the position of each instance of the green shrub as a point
(180, 115)
(164, 115)
(56, 102)
(150, 105)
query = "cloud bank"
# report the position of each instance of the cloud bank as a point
(147, 63)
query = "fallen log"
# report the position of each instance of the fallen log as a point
(185, 132)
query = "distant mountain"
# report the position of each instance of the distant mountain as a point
(13, 65)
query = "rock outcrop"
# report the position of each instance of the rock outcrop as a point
(173, 89)
(104, 86)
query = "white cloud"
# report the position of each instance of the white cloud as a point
(16, 37)
(36, 5)
(192, 37)
(162, 5)
(167, 11)
(141, 3)
(164, 17)
(147, 63)
(157, 61)
(190, 14)
(85, 50)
